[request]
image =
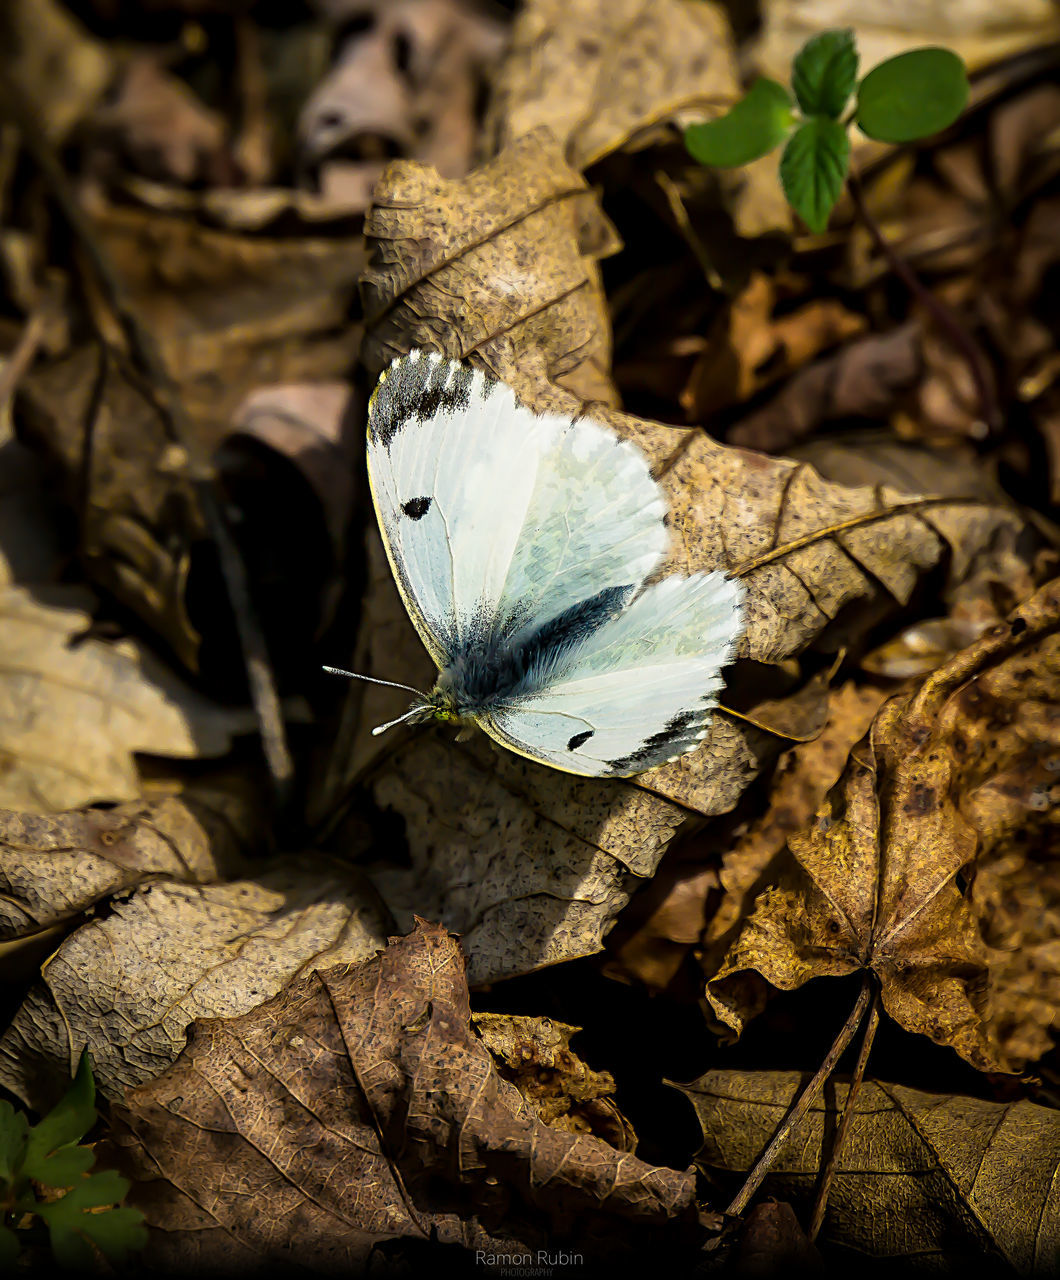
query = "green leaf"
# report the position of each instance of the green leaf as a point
(912, 96)
(13, 1130)
(10, 1246)
(813, 168)
(754, 126)
(64, 1167)
(115, 1232)
(70, 1119)
(824, 73)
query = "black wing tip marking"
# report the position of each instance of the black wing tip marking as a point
(580, 739)
(650, 750)
(418, 386)
(416, 508)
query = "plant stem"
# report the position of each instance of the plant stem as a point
(821, 1203)
(943, 316)
(807, 1098)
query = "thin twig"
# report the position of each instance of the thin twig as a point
(806, 1100)
(145, 354)
(943, 316)
(18, 361)
(821, 1202)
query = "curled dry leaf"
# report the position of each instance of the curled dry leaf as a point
(127, 985)
(600, 76)
(820, 560)
(356, 1107)
(56, 866)
(535, 1055)
(502, 260)
(872, 882)
(951, 1181)
(73, 712)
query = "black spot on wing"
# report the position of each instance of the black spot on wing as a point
(651, 749)
(580, 739)
(416, 508)
(418, 387)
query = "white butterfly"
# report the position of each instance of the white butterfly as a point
(521, 543)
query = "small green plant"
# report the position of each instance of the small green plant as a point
(47, 1155)
(911, 96)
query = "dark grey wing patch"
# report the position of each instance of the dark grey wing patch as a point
(652, 748)
(580, 739)
(417, 387)
(416, 508)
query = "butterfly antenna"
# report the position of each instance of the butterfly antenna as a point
(382, 728)
(391, 684)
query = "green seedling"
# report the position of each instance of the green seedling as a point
(37, 1160)
(911, 96)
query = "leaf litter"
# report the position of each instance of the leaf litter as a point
(878, 797)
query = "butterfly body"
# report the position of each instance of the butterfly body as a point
(521, 545)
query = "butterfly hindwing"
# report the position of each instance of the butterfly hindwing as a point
(495, 517)
(639, 691)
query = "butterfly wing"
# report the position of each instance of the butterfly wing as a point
(494, 516)
(639, 690)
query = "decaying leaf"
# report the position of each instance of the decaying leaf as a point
(535, 1055)
(872, 882)
(501, 260)
(73, 712)
(360, 1106)
(56, 866)
(601, 76)
(953, 1182)
(128, 984)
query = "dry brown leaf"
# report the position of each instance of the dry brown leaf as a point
(752, 347)
(357, 1107)
(603, 75)
(53, 62)
(503, 259)
(158, 127)
(535, 1055)
(405, 82)
(772, 1243)
(127, 985)
(981, 32)
(950, 1181)
(54, 867)
(73, 714)
(872, 882)
(863, 379)
(228, 313)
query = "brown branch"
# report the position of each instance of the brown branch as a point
(807, 1098)
(821, 1202)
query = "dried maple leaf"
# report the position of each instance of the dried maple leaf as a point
(358, 1107)
(872, 883)
(951, 1181)
(128, 984)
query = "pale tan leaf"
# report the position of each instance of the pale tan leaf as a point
(73, 715)
(128, 984)
(600, 76)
